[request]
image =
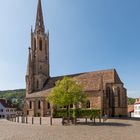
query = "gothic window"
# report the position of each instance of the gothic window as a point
(34, 44)
(109, 96)
(88, 104)
(37, 84)
(71, 106)
(118, 90)
(108, 92)
(49, 106)
(30, 104)
(40, 45)
(39, 104)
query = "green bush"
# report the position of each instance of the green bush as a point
(37, 114)
(79, 113)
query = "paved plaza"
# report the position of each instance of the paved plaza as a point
(113, 129)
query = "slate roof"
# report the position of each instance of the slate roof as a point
(6, 103)
(91, 81)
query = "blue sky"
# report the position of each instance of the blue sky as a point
(85, 35)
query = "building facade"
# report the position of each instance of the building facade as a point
(7, 109)
(104, 88)
(137, 108)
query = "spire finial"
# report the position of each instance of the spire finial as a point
(39, 18)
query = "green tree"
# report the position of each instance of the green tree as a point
(67, 92)
(131, 101)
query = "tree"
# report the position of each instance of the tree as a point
(131, 101)
(66, 92)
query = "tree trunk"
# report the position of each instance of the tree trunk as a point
(68, 113)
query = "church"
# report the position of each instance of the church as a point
(104, 89)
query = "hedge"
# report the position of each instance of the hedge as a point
(79, 113)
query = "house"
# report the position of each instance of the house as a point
(130, 111)
(137, 108)
(7, 109)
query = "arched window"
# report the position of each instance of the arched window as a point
(30, 104)
(118, 91)
(71, 105)
(40, 45)
(39, 104)
(34, 44)
(108, 92)
(49, 106)
(109, 96)
(37, 84)
(88, 104)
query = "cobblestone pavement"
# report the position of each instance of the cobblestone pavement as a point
(110, 130)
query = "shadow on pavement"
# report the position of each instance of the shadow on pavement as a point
(105, 124)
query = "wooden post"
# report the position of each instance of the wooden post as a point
(99, 119)
(40, 121)
(86, 119)
(94, 120)
(26, 119)
(18, 119)
(50, 120)
(32, 120)
(21, 119)
(75, 120)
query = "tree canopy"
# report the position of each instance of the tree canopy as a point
(67, 92)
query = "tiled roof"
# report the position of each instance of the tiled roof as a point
(39, 94)
(6, 104)
(91, 81)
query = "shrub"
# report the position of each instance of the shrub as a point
(37, 114)
(79, 113)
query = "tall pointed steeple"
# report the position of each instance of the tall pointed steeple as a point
(38, 61)
(39, 27)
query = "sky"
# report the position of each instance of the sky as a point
(85, 35)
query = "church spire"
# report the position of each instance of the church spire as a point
(39, 18)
